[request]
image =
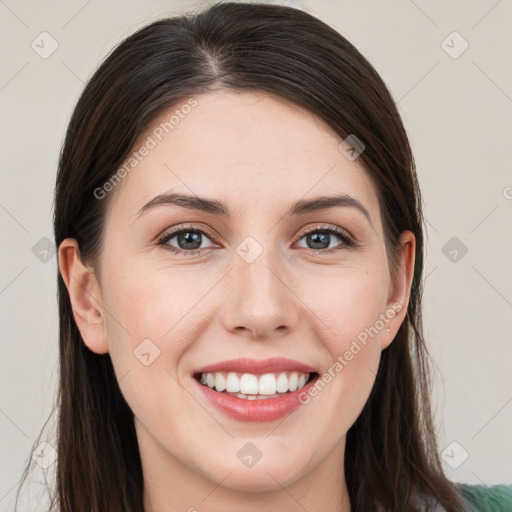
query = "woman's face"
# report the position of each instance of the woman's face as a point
(265, 281)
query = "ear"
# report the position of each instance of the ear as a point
(400, 287)
(85, 296)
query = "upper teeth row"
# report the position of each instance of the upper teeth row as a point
(248, 383)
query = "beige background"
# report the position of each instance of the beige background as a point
(457, 111)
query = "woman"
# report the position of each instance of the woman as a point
(241, 251)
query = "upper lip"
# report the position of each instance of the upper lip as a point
(257, 366)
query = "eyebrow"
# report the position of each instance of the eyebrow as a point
(215, 207)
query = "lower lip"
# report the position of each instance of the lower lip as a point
(256, 410)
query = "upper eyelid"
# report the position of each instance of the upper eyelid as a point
(338, 231)
(170, 233)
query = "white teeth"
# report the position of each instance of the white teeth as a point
(220, 382)
(251, 386)
(282, 383)
(292, 381)
(268, 384)
(233, 383)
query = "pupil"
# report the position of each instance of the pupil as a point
(319, 238)
(188, 238)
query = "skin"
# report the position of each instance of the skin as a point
(258, 154)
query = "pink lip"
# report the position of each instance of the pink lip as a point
(257, 367)
(270, 409)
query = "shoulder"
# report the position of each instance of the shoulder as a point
(479, 498)
(482, 498)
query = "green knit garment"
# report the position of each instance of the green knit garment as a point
(494, 498)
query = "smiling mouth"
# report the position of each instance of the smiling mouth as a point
(249, 386)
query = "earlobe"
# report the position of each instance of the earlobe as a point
(85, 296)
(400, 288)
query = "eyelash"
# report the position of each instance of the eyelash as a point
(348, 242)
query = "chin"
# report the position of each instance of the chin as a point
(264, 476)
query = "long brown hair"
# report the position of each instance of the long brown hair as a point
(391, 451)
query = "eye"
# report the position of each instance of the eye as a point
(188, 240)
(320, 239)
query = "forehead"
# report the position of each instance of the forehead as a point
(240, 148)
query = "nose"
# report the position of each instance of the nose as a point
(260, 300)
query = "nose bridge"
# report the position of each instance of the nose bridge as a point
(259, 298)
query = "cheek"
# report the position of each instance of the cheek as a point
(351, 307)
(148, 330)
(354, 348)
(349, 303)
(155, 315)
(151, 303)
